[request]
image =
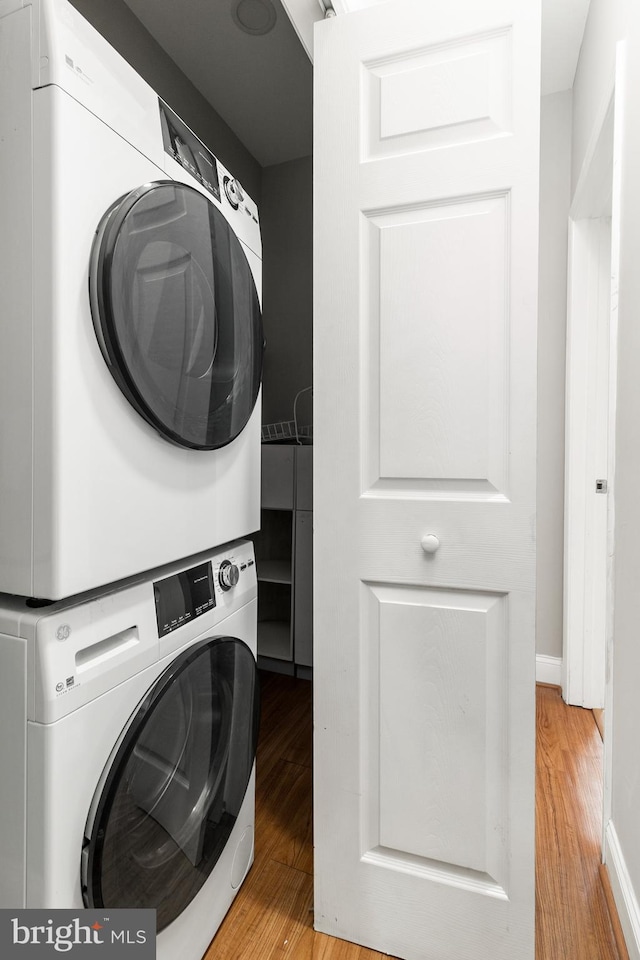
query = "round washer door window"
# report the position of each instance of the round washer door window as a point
(173, 789)
(177, 315)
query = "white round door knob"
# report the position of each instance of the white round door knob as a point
(430, 543)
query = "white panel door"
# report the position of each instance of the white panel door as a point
(426, 211)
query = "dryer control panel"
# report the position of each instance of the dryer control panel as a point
(182, 144)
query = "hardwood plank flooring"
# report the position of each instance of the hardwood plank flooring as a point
(272, 916)
(572, 918)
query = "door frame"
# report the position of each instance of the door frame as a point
(584, 651)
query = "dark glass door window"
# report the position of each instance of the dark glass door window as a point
(177, 315)
(174, 789)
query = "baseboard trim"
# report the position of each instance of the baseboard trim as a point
(549, 670)
(624, 895)
(614, 917)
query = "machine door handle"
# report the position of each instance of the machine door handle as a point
(429, 543)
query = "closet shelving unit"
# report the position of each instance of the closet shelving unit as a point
(284, 548)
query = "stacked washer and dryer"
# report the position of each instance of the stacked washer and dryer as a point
(130, 367)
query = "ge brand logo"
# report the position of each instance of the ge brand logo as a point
(63, 632)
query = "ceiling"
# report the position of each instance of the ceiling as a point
(262, 84)
(563, 24)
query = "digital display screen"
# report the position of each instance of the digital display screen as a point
(183, 145)
(183, 597)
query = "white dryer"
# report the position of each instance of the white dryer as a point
(128, 728)
(131, 339)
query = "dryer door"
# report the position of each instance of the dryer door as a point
(173, 788)
(177, 315)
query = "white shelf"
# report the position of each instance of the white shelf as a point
(274, 571)
(284, 557)
(274, 639)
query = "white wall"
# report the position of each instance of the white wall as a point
(555, 177)
(286, 220)
(609, 21)
(606, 23)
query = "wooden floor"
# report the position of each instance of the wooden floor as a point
(572, 920)
(272, 916)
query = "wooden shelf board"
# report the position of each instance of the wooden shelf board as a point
(274, 571)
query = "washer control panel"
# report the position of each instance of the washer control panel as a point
(82, 647)
(184, 596)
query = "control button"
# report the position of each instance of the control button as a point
(228, 575)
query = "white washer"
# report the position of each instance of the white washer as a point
(131, 340)
(128, 726)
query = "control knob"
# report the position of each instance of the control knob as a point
(234, 192)
(228, 575)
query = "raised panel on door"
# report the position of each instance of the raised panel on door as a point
(436, 763)
(438, 95)
(439, 389)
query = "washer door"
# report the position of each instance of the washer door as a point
(176, 312)
(174, 785)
